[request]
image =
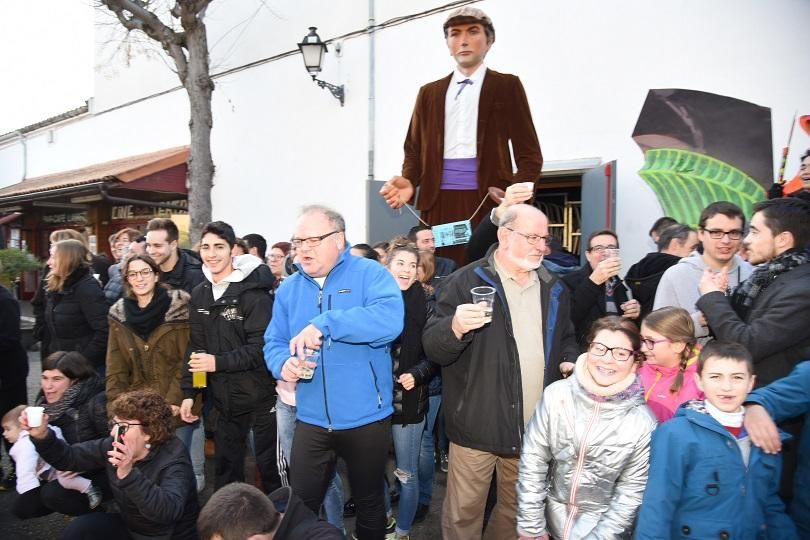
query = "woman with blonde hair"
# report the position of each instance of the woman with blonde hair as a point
(75, 311)
(671, 351)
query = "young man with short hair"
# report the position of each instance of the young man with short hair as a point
(768, 313)
(720, 229)
(464, 130)
(241, 512)
(228, 314)
(179, 269)
(422, 236)
(674, 243)
(256, 244)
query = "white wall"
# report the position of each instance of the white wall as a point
(279, 141)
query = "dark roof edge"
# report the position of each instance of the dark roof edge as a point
(78, 111)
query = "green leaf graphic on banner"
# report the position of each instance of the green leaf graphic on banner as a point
(686, 182)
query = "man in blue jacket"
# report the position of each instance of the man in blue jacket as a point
(349, 310)
(786, 398)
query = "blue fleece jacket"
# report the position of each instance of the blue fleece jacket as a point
(360, 312)
(699, 486)
(784, 399)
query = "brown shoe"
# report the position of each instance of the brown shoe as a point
(209, 448)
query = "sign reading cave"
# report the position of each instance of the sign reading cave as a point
(129, 211)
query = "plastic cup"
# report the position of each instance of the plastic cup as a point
(310, 355)
(199, 379)
(611, 253)
(485, 296)
(527, 185)
(34, 415)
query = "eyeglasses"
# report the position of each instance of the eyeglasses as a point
(145, 273)
(312, 241)
(620, 354)
(717, 234)
(600, 249)
(532, 239)
(124, 425)
(275, 257)
(651, 343)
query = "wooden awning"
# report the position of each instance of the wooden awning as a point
(123, 170)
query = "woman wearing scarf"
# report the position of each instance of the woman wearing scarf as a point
(149, 334)
(585, 456)
(73, 398)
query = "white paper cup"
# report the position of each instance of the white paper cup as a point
(34, 415)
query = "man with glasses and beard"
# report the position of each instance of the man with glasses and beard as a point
(494, 372)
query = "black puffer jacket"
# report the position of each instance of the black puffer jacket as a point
(76, 317)
(157, 499)
(644, 276)
(232, 329)
(482, 389)
(186, 274)
(410, 405)
(86, 418)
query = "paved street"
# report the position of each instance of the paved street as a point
(49, 527)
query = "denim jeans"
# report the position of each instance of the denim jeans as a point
(407, 447)
(333, 501)
(193, 436)
(427, 456)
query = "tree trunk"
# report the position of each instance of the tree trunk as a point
(199, 86)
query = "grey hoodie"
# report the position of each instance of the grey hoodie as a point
(679, 285)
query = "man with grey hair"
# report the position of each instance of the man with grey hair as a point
(494, 371)
(464, 131)
(332, 326)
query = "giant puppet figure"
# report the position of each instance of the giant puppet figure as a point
(457, 146)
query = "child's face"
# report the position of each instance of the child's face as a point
(11, 432)
(726, 382)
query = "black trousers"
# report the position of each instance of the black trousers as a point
(230, 439)
(364, 449)
(50, 497)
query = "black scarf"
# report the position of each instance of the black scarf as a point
(762, 276)
(143, 321)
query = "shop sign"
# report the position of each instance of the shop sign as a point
(130, 211)
(75, 218)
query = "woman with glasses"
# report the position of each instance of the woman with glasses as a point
(149, 335)
(276, 260)
(75, 308)
(585, 456)
(148, 469)
(671, 351)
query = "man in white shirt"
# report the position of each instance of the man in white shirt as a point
(473, 114)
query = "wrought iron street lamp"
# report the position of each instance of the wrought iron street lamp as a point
(312, 49)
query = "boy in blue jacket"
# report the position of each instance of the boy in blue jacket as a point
(786, 398)
(706, 478)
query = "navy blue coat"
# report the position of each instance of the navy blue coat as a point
(786, 398)
(699, 486)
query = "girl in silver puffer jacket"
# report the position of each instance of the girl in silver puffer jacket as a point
(585, 456)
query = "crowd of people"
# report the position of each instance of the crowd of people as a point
(563, 401)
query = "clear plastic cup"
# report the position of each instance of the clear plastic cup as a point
(486, 296)
(310, 355)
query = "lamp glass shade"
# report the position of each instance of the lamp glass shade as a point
(312, 49)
